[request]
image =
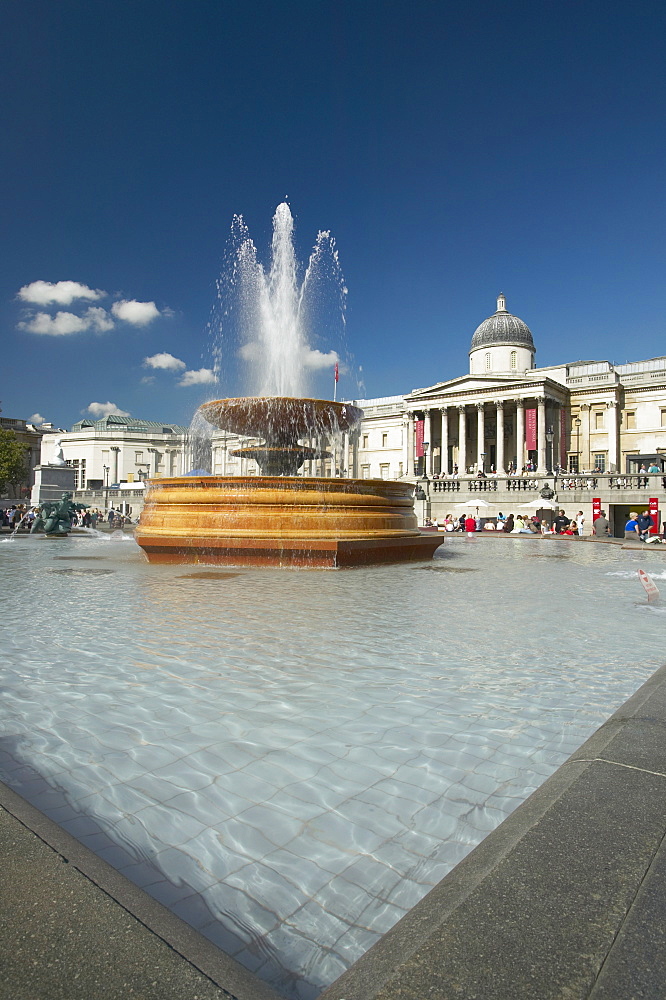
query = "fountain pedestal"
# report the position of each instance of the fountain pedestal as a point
(281, 521)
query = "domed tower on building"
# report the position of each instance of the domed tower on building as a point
(502, 344)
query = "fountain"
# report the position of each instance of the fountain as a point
(280, 518)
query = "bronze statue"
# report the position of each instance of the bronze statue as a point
(55, 516)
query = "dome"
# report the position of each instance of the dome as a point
(502, 329)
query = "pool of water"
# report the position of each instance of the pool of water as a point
(291, 760)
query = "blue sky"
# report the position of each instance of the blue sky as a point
(454, 151)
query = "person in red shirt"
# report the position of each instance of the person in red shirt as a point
(470, 525)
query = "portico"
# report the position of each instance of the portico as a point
(470, 429)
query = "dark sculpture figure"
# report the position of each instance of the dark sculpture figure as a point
(55, 516)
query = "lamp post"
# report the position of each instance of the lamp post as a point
(106, 486)
(483, 461)
(426, 445)
(549, 458)
(577, 423)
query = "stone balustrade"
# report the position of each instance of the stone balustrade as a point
(575, 482)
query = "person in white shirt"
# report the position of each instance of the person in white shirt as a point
(580, 521)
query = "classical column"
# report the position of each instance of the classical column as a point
(116, 453)
(612, 436)
(444, 463)
(344, 471)
(520, 434)
(405, 445)
(410, 445)
(499, 457)
(427, 437)
(585, 444)
(480, 434)
(541, 433)
(462, 440)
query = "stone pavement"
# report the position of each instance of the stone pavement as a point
(71, 928)
(566, 900)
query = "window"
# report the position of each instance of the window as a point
(79, 467)
(364, 442)
(630, 420)
(384, 440)
(488, 361)
(600, 461)
(138, 457)
(663, 418)
(573, 462)
(384, 470)
(598, 420)
(514, 360)
(365, 472)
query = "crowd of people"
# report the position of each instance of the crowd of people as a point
(639, 527)
(20, 517)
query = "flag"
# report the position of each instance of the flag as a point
(337, 372)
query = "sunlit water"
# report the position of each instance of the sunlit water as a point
(290, 760)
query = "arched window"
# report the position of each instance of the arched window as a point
(514, 360)
(488, 361)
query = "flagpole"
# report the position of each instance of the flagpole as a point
(336, 375)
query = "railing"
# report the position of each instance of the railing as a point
(650, 482)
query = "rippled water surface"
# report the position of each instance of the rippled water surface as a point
(291, 760)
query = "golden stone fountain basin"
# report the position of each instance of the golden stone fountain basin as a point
(280, 521)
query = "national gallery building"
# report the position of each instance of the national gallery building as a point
(507, 415)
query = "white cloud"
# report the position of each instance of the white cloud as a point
(36, 418)
(105, 410)
(164, 360)
(203, 376)
(317, 360)
(250, 351)
(99, 319)
(147, 380)
(42, 293)
(65, 323)
(136, 313)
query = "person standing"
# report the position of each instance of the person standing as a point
(600, 525)
(470, 525)
(580, 521)
(561, 522)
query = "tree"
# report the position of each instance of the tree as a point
(13, 462)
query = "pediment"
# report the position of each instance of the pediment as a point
(466, 383)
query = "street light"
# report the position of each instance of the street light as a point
(577, 423)
(483, 461)
(549, 439)
(106, 486)
(426, 445)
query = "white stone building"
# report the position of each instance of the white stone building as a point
(507, 415)
(112, 457)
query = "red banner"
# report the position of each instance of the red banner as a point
(596, 508)
(419, 426)
(531, 430)
(563, 437)
(654, 514)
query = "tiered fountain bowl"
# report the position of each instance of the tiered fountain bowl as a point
(280, 518)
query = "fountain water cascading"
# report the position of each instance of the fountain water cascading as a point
(280, 518)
